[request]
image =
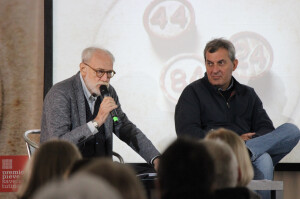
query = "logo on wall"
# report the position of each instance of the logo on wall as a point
(7, 164)
(11, 172)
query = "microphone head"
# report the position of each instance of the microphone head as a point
(103, 90)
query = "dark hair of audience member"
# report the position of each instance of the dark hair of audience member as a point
(77, 166)
(49, 161)
(120, 176)
(186, 170)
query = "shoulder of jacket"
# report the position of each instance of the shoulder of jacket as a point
(66, 86)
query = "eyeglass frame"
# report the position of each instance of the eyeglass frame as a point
(101, 71)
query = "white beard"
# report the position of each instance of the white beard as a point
(94, 89)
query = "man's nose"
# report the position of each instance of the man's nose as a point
(215, 69)
(104, 78)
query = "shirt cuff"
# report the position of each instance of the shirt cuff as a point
(152, 160)
(92, 128)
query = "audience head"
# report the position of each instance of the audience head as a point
(226, 166)
(120, 176)
(186, 170)
(82, 186)
(50, 160)
(239, 148)
(77, 166)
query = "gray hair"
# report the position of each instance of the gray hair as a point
(81, 186)
(239, 148)
(214, 45)
(225, 162)
(88, 53)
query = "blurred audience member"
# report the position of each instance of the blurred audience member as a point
(226, 166)
(49, 161)
(186, 171)
(227, 172)
(241, 152)
(77, 166)
(80, 186)
(120, 176)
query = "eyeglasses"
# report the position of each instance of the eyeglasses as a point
(101, 72)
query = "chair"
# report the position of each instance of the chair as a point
(32, 140)
(276, 187)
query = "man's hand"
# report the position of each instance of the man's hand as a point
(107, 105)
(247, 136)
(156, 163)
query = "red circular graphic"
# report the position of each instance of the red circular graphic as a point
(169, 19)
(254, 53)
(178, 73)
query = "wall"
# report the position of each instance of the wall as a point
(21, 72)
(291, 183)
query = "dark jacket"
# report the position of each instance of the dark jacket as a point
(201, 107)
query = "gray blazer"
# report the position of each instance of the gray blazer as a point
(64, 117)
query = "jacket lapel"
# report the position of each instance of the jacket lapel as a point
(80, 99)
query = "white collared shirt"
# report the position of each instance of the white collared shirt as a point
(91, 101)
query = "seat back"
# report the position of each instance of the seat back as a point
(118, 157)
(32, 140)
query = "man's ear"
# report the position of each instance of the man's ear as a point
(235, 64)
(83, 69)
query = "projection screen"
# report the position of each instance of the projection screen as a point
(158, 46)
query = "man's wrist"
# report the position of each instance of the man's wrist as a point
(92, 128)
(152, 160)
(96, 124)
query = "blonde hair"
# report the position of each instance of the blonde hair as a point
(226, 165)
(49, 161)
(239, 148)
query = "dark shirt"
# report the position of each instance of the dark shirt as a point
(202, 107)
(95, 146)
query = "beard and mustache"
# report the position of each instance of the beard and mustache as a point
(94, 89)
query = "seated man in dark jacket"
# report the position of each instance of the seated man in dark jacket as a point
(219, 100)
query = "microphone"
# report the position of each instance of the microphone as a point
(105, 93)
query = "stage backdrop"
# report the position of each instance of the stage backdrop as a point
(158, 46)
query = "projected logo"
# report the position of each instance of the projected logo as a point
(178, 73)
(169, 19)
(254, 53)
